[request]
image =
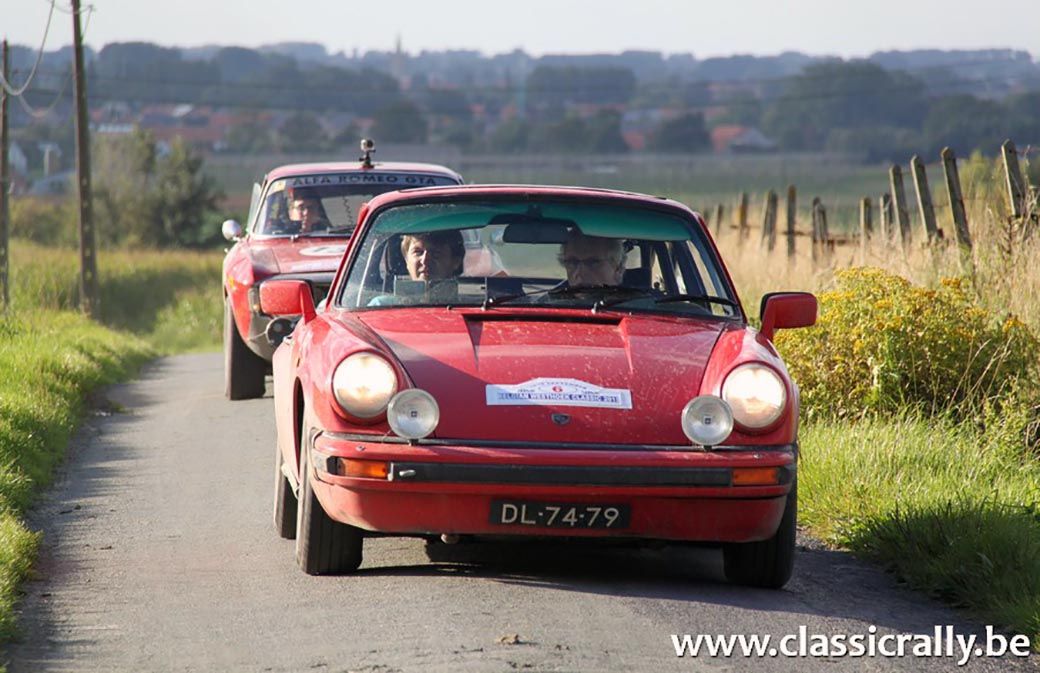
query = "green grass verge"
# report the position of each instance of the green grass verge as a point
(49, 362)
(949, 510)
(52, 358)
(172, 299)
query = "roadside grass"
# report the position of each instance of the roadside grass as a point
(172, 299)
(49, 362)
(52, 358)
(951, 511)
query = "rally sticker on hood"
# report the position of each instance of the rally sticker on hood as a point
(558, 392)
(324, 251)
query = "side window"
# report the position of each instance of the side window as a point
(254, 206)
(703, 277)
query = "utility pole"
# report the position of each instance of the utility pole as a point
(5, 187)
(88, 280)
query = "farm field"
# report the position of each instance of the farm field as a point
(698, 181)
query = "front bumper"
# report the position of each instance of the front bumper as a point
(444, 487)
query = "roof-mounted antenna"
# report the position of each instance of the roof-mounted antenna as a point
(368, 146)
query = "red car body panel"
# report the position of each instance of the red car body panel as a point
(454, 353)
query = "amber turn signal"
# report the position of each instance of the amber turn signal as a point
(370, 469)
(756, 476)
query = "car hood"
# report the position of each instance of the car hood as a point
(304, 255)
(552, 376)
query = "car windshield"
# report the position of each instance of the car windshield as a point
(328, 204)
(548, 254)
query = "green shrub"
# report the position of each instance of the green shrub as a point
(52, 222)
(884, 346)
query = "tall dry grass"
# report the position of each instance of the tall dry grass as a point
(1005, 261)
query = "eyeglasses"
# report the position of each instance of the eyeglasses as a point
(574, 263)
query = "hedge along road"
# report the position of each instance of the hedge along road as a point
(159, 555)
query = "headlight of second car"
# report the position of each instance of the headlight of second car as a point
(756, 394)
(363, 384)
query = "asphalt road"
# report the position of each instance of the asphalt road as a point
(159, 555)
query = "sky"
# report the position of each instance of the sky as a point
(715, 28)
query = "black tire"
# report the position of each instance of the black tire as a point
(768, 563)
(323, 546)
(244, 370)
(284, 501)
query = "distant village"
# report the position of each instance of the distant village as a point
(298, 99)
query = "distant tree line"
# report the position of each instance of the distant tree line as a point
(568, 105)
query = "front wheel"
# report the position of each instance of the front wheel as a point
(768, 563)
(244, 370)
(323, 546)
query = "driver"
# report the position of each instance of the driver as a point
(592, 260)
(431, 257)
(437, 255)
(306, 211)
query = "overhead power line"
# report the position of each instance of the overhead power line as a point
(17, 91)
(40, 113)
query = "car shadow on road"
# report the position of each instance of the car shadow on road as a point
(826, 583)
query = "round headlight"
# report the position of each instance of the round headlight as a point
(756, 394)
(707, 420)
(413, 413)
(363, 384)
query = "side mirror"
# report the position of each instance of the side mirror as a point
(231, 229)
(786, 310)
(287, 297)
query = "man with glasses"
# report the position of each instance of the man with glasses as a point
(592, 260)
(305, 209)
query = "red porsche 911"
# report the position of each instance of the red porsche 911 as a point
(605, 384)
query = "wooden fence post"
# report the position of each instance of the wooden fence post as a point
(825, 236)
(1013, 173)
(866, 227)
(769, 222)
(792, 195)
(885, 217)
(924, 199)
(960, 218)
(718, 219)
(814, 245)
(742, 225)
(820, 235)
(895, 175)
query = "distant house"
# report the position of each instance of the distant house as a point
(636, 140)
(199, 127)
(735, 139)
(17, 160)
(51, 157)
(53, 185)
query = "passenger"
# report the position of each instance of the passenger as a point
(592, 260)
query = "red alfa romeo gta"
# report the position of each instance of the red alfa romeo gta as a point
(300, 219)
(605, 384)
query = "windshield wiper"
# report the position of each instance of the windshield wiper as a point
(696, 297)
(340, 230)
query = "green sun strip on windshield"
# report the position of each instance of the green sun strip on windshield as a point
(593, 219)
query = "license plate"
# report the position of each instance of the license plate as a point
(559, 514)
